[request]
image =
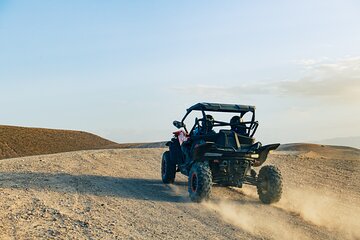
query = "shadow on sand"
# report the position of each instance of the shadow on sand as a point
(132, 188)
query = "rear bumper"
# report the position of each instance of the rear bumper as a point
(208, 152)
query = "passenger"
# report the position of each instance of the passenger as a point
(206, 126)
(238, 126)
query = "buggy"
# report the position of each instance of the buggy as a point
(225, 158)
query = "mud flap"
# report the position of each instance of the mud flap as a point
(263, 153)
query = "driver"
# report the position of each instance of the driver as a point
(206, 126)
(199, 134)
(237, 125)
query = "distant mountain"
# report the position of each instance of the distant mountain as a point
(342, 141)
(143, 145)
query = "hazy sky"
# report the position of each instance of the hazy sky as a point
(126, 69)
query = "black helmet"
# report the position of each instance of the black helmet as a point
(234, 121)
(237, 125)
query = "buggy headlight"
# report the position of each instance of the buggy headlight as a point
(254, 155)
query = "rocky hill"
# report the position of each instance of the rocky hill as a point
(23, 141)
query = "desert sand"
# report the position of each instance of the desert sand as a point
(118, 194)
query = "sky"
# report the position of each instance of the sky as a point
(126, 69)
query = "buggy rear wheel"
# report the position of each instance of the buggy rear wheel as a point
(168, 168)
(269, 184)
(199, 182)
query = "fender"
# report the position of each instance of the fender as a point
(263, 153)
(175, 151)
(200, 150)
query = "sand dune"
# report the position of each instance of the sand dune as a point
(22, 141)
(309, 150)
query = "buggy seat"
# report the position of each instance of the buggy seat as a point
(231, 139)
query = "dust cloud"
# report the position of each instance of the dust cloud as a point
(315, 206)
(323, 208)
(255, 221)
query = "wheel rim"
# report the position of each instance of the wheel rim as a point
(194, 182)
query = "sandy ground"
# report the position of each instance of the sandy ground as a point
(118, 194)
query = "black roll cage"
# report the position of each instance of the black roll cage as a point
(216, 107)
